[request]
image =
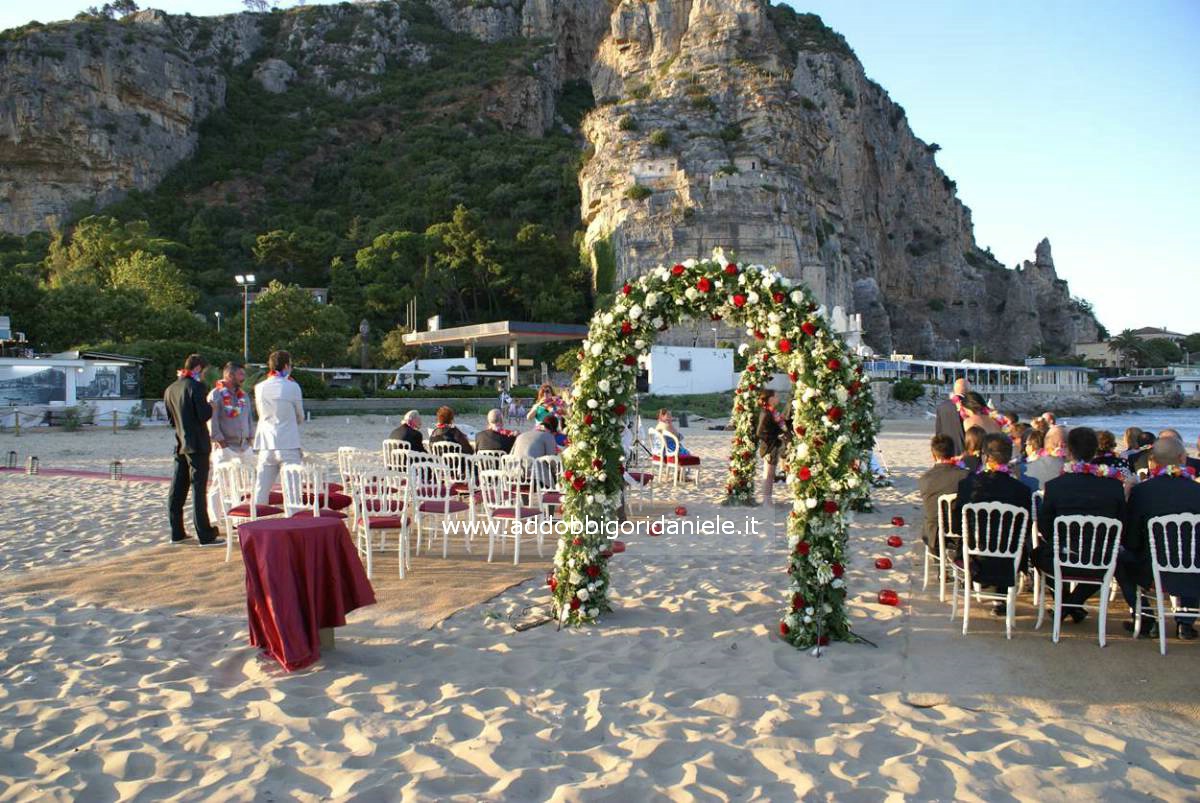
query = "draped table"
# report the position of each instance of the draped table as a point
(302, 576)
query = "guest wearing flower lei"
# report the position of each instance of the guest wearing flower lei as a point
(1130, 441)
(1049, 461)
(1171, 488)
(1083, 489)
(548, 403)
(1139, 461)
(231, 426)
(993, 482)
(948, 420)
(446, 431)
(972, 448)
(942, 478)
(975, 413)
(495, 438)
(1106, 452)
(771, 432)
(279, 403)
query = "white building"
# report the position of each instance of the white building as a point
(37, 387)
(677, 370)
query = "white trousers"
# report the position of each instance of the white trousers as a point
(269, 461)
(220, 456)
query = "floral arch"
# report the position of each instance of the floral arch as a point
(826, 460)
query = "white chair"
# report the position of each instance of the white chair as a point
(1174, 549)
(989, 530)
(667, 452)
(345, 456)
(547, 491)
(235, 487)
(394, 451)
(440, 448)
(1082, 546)
(945, 509)
(379, 497)
(305, 490)
(502, 495)
(460, 471)
(430, 497)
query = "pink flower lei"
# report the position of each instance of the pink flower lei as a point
(1059, 452)
(1096, 470)
(1001, 420)
(992, 467)
(1174, 471)
(231, 403)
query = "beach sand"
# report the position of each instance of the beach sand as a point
(125, 671)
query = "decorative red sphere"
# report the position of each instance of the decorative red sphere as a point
(897, 521)
(889, 597)
(681, 511)
(883, 563)
(895, 540)
(656, 528)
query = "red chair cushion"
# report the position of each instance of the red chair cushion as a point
(514, 513)
(552, 497)
(243, 511)
(642, 477)
(460, 487)
(385, 522)
(275, 497)
(683, 460)
(336, 501)
(322, 514)
(449, 506)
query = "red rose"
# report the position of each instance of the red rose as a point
(568, 474)
(630, 359)
(626, 327)
(581, 355)
(805, 473)
(759, 335)
(837, 569)
(792, 375)
(777, 297)
(627, 289)
(593, 572)
(577, 541)
(785, 345)
(784, 629)
(575, 603)
(619, 409)
(597, 463)
(739, 300)
(550, 580)
(801, 430)
(578, 483)
(715, 317)
(747, 455)
(834, 413)
(818, 442)
(704, 285)
(808, 328)
(587, 419)
(831, 507)
(803, 548)
(797, 601)
(731, 269)
(834, 364)
(677, 269)
(854, 388)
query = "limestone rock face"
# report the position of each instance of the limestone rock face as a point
(275, 75)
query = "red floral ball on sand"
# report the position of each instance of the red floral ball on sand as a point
(656, 528)
(898, 521)
(889, 597)
(677, 270)
(739, 300)
(895, 540)
(883, 563)
(681, 511)
(831, 506)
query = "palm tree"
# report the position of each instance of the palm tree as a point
(1129, 346)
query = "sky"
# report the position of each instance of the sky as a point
(1077, 120)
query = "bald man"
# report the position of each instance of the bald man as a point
(1050, 465)
(948, 422)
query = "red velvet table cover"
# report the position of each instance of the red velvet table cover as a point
(302, 575)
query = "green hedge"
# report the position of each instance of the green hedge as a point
(907, 390)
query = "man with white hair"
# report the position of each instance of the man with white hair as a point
(1049, 466)
(1171, 488)
(948, 421)
(409, 431)
(495, 438)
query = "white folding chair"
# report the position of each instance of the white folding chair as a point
(394, 452)
(667, 452)
(1174, 549)
(502, 503)
(379, 496)
(989, 530)
(441, 448)
(1082, 546)
(305, 491)
(235, 486)
(945, 509)
(345, 456)
(432, 499)
(547, 487)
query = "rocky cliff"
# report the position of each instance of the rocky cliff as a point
(718, 122)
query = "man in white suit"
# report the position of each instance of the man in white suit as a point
(280, 406)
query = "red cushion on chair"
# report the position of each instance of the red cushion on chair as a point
(514, 513)
(335, 488)
(243, 511)
(449, 506)
(642, 477)
(460, 487)
(385, 522)
(683, 460)
(275, 497)
(321, 514)
(552, 497)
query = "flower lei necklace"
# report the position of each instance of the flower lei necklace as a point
(1059, 452)
(231, 403)
(182, 372)
(952, 461)
(779, 419)
(992, 467)
(1001, 420)
(285, 374)
(1095, 469)
(1174, 471)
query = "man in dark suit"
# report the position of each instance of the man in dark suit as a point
(1158, 496)
(188, 411)
(409, 431)
(1140, 460)
(1077, 494)
(1194, 462)
(992, 484)
(495, 438)
(948, 421)
(942, 478)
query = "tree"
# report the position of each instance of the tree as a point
(257, 5)
(162, 282)
(125, 7)
(1161, 352)
(88, 253)
(300, 256)
(288, 317)
(393, 350)
(1129, 346)
(1191, 343)
(466, 254)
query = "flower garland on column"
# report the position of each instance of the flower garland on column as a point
(743, 420)
(828, 469)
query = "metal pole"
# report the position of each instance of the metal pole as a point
(246, 323)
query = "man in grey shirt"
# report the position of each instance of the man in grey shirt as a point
(231, 426)
(539, 441)
(1049, 465)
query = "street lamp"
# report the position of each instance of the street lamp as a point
(245, 282)
(218, 314)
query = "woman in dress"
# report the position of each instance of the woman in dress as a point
(977, 414)
(770, 432)
(666, 423)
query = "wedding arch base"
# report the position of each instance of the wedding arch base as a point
(827, 457)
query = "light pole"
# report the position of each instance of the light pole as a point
(245, 282)
(218, 314)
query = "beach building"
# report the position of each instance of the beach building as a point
(1033, 377)
(39, 389)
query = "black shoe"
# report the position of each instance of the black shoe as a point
(181, 539)
(1076, 615)
(1186, 631)
(213, 542)
(1000, 609)
(1149, 628)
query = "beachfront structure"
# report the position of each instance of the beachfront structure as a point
(36, 387)
(1182, 379)
(509, 334)
(1158, 333)
(688, 370)
(984, 377)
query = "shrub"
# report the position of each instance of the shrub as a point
(637, 192)
(731, 133)
(703, 103)
(659, 138)
(936, 304)
(640, 92)
(808, 104)
(907, 390)
(627, 123)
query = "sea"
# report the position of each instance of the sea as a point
(1151, 420)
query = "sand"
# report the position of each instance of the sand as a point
(125, 671)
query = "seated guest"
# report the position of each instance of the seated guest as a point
(1106, 451)
(495, 438)
(992, 483)
(446, 431)
(1194, 462)
(1034, 441)
(1020, 434)
(1039, 425)
(539, 441)
(666, 423)
(942, 478)
(1132, 436)
(1050, 457)
(1140, 460)
(1077, 492)
(409, 431)
(1170, 488)
(977, 414)
(1049, 418)
(972, 445)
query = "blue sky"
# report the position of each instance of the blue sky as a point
(1076, 120)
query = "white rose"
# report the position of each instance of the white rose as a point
(774, 330)
(575, 578)
(691, 293)
(639, 344)
(582, 594)
(603, 475)
(657, 322)
(842, 394)
(597, 349)
(752, 297)
(802, 450)
(741, 278)
(591, 498)
(635, 311)
(592, 404)
(768, 280)
(564, 614)
(651, 299)
(608, 319)
(838, 583)
(743, 348)
(689, 263)
(810, 503)
(810, 610)
(603, 385)
(797, 297)
(785, 281)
